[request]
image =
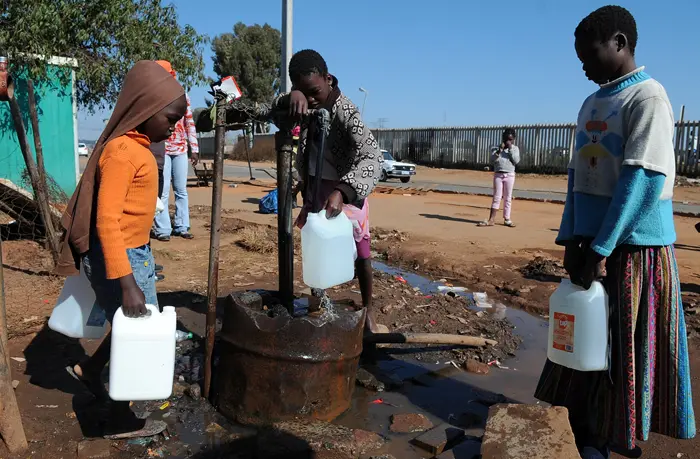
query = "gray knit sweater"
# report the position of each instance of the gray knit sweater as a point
(352, 156)
(505, 160)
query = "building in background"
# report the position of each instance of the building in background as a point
(58, 125)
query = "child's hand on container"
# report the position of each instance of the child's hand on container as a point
(573, 262)
(593, 269)
(133, 299)
(334, 205)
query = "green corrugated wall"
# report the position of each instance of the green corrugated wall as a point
(56, 127)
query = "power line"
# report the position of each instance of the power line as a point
(381, 122)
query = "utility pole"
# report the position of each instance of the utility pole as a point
(364, 102)
(287, 22)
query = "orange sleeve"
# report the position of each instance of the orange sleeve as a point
(116, 175)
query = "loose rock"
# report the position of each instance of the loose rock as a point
(179, 390)
(517, 431)
(367, 380)
(479, 368)
(194, 391)
(436, 440)
(409, 423)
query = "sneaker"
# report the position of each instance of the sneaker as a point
(163, 238)
(158, 268)
(159, 277)
(185, 235)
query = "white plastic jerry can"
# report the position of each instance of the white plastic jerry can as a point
(77, 314)
(142, 364)
(328, 251)
(578, 327)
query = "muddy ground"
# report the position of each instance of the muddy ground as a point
(431, 234)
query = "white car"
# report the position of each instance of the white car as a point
(396, 169)
(83, 150)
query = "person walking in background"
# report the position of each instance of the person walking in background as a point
(175, 171)
(158, 150)
(504, 158)
(618, 226)
(109, 217)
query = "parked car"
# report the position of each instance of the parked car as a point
(396, 169)
(83, 150)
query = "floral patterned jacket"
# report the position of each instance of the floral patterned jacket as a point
(350, 148)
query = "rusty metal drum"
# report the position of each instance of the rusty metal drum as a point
(273, 367)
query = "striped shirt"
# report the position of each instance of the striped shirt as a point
(184, 132)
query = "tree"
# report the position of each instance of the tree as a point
(251, 54)
(106, 37)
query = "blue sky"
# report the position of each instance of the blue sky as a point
(456, 62)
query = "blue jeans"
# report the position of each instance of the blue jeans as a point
(175, 171)
(108, 292)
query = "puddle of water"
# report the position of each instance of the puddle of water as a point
(520, 380)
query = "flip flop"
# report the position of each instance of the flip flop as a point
(150, 429)
(483, 224)
(96, 388)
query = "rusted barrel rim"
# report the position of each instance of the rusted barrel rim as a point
(314, 359)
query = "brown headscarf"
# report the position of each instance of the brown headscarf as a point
(147, 89)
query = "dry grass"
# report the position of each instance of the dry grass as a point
(262, 239)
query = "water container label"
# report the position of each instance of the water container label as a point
(563, 334)
(97, 316)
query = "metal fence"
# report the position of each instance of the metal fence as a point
(544, 148)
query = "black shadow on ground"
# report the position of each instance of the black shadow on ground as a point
(435, 392)
(48, 355)
(268, 444)
(690, 248)
(690, 288)
(255, 201)
(450, 219)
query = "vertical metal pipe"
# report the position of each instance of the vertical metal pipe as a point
(287, 22)
(285, 241)
(323, 123)
(213, 274)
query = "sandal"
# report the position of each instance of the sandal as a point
(509, 224)
(150, 429)
(95, 387)
(483, 224)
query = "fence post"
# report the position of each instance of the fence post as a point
(11, 429)
(477, 146)
(679, 135)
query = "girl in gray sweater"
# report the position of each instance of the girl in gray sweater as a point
(504, 158)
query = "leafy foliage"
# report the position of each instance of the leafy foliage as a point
(251, 54)
(105, 36)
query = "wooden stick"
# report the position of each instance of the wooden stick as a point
(214, 243)
(429, 338)
(38, 148)
(40, 195)
(11, 429)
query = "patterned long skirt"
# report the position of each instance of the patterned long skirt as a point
(647, 388)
